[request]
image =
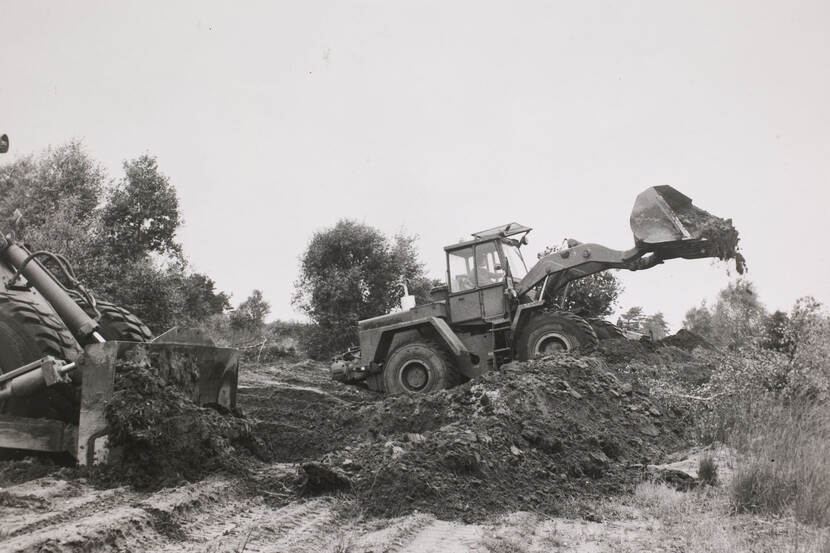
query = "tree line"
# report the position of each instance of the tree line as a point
(119, 235)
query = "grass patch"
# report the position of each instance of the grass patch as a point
(699, 521)
(786, 464)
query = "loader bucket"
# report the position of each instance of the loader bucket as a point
(205, 374)
(666, 222)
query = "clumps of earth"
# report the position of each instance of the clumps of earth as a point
(721, 234)
(539, 435)
(548, 435)
(159, 437)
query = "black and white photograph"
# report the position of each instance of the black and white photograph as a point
(369, 276)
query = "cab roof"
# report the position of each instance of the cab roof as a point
(502, 231)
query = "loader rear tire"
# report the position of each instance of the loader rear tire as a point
(116, 323)
(550, 332)
(419, 367)
(28, 331)
(606, 330)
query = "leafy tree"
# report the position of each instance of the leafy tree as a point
(251, 313)
(592, 296)
(738, 315)
(632, 319)
(737, 319)
(777, 334)
(698, 320)
(406, 256)
(351, 272)
(124, 247)
(141, 215)
(655, 326)
(61, 181)
(201, 299)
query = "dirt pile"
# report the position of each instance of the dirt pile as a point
(532, 436)
(668, 360)
(687, 341)
(159, 437)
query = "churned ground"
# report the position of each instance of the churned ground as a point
(563, 454)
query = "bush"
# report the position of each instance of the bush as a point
(707, 471)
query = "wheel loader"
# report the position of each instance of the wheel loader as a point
(59, 348)
(494, 309)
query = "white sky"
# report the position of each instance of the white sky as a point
(276, 119)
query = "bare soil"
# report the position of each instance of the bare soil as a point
(312, 465)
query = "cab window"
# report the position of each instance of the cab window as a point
(488, 264)
(462, 270)
(518, 269)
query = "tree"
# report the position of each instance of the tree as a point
(655, 326)
(777, 333)
(201, 299)
(56, 195)
(738, 315)
(141, 215)
(62, 180)
(698, 320)
(405, 256)
(250, 314)
(632, 319)
(592, 296)
(737, 319)
(122, 248)
(352, 272)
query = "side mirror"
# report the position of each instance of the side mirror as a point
(4, 144)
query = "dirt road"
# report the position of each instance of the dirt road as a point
(218, 515)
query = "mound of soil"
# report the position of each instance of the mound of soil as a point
(686, 340)
(664, 360)
(531, 436)
(159, 437)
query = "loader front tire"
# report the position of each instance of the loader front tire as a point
(552, 332)
(418, 367)
(29, 332)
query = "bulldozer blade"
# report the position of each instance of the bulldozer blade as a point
(206, 374)
(666, 222)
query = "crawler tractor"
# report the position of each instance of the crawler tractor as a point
(59, 348)
(494, 309)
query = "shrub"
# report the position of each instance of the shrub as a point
(707, 471)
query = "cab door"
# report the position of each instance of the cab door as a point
(490, 280)
(463, 296)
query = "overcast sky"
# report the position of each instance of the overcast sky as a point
(276, 119)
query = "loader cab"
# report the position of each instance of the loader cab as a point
(480, 271)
